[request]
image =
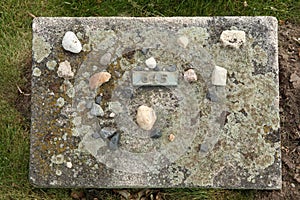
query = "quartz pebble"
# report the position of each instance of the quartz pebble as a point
(151, 63)
(183, 41)
(64, 70)
(145, 117)
(96, 110)
(219, 76)
(98, 79)
(71, 43)
(190, 75)
(233, 38)
(171, 137)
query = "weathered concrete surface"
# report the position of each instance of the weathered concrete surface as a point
(224, 135)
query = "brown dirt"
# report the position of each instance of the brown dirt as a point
(23, 100)
(289, 63)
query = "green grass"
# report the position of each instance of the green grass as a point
(15, 48)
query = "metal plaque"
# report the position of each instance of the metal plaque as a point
(151, 78)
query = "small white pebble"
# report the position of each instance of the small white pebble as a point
(219, 76)
(36, 72)
(71, 43)
(151, 63)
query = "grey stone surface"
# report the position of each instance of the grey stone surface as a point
(219, 130)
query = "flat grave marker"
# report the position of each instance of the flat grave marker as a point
(155, 102)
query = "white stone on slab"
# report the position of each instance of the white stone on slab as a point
(71, 43)
(151, 63)
(183, 41)
(233, 38)
(145, 117)
(64, 70)
(219, 76)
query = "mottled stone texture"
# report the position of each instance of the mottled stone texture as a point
(223, 135)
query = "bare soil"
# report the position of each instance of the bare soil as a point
(289, 64)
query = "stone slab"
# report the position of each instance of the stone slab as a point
(221, 135)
